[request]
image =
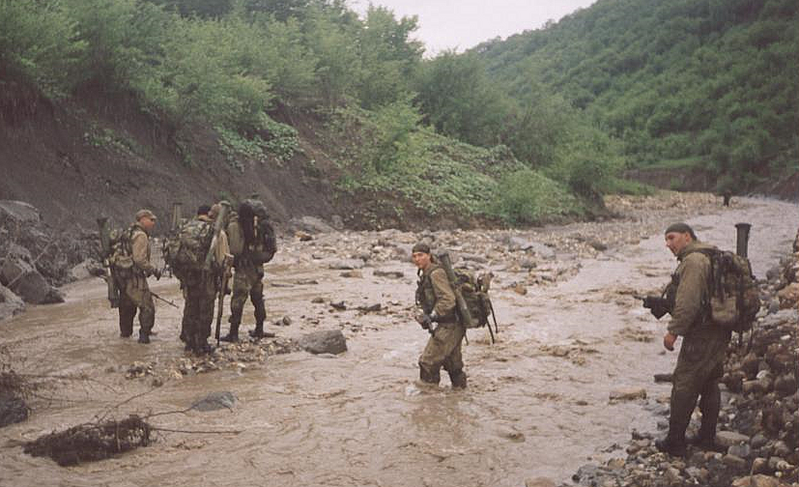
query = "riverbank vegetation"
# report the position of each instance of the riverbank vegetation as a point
(523, 131)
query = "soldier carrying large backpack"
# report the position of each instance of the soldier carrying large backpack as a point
(186, 255)
(712, 293)
(252, 243)
(130, 266)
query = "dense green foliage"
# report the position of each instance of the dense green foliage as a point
(527, 129)
(713, 83)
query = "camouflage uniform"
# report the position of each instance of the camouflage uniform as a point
(247, 281)
(199, 290)
(134, 293)
(444, 346)
(701, 358)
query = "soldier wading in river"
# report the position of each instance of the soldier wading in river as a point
(701, 359)
(252, 243)
(131, 267)
(437, 299)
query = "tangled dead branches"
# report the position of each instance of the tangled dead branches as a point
(93, 441)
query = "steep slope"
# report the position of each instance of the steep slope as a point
(708, 85)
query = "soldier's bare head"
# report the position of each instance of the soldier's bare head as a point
(678, 236)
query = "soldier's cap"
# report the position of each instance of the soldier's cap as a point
(144, 212)
(681, 228)
(421, 247)
(203, 209)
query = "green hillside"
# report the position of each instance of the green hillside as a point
(705, 84)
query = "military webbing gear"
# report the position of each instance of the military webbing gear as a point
(264, 244)
(187, 249)
(734, 299)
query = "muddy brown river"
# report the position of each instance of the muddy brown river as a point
(537, 403)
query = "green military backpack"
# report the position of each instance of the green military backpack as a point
(734, 296)
(185, 251)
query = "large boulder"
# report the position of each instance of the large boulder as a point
(12, 410)
(10, 303)
(324, 341)
(19, 211)
(26, 282)
(310, 224)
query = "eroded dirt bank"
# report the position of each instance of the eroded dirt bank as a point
(538, 401)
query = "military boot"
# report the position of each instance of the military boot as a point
(144, 337)
(429, 377)
(672, 445)
(233, 334)
(458, 379)
(259, 332)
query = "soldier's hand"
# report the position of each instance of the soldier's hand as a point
(424, 320)
(668, 341)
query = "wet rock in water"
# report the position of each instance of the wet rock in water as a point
(729, 438)
(10, 303)
(215, 401)
(519, 288)
(389, 274)
(352, 274)
(372, 308)
(303, 236)
(338, 305)
(12, 410)
(598, 245)
(346, 264)
(627, 394)
(324, 341)
(26, 282)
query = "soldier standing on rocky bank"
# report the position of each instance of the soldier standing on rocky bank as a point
(437, 299)
(131, 269)
(704, 345)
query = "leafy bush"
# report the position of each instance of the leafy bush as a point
(529, 197)
(38, 46)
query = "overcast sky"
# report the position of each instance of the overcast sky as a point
(461, 24)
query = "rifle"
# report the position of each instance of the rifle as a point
(105, 254)
(164, 300)
(657, 305)
(463, 310)
(219, 223)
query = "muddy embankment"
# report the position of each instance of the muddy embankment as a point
(569, 380)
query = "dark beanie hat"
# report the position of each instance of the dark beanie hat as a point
(681, 228)
(203, 209)
(421, 247)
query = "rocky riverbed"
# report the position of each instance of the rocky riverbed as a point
(568, 381)
(758, 432)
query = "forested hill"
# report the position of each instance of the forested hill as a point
(696, 84)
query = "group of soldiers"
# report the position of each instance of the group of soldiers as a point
(699, 364)
(231, 248)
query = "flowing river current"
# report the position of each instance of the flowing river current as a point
(537, 404)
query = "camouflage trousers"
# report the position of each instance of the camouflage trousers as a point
(247, 282)
(443, 350)
(134, 295)
(198, 314)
